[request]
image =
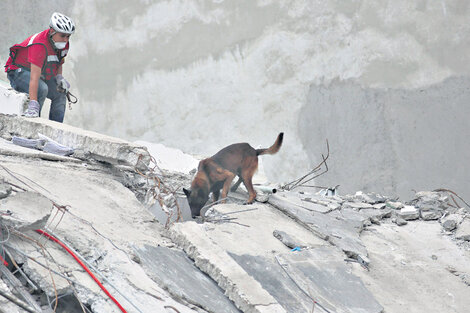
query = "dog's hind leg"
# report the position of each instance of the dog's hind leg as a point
(247, 175)
(235, 187)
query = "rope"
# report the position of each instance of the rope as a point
(40, 231)
(96, 270)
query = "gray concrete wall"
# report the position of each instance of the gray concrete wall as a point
(200, 75)
(392, 141)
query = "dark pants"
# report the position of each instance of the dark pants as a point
(19, 80)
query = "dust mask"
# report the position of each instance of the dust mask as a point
(60, 44)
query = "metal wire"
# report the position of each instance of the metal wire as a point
(310, 175)
(298, 286)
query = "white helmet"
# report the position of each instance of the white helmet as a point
(62, 24)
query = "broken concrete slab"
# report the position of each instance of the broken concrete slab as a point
(298, 213)
(274, 279)
(242, 289)
(100, 147)
(175, 272)
(357, 205)
(322, 273)
(23, 214)
(333, 227)
(209, 244)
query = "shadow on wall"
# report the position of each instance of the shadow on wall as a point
(392, 141)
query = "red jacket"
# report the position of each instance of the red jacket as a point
(37, 49)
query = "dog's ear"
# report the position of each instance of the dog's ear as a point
(187, 192)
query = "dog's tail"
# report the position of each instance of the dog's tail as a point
(274, 148)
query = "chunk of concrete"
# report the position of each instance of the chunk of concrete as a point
(409, 213)
(371, 198)
(463, 231)
(100, 147)
(451, 221)
(175, 272)
(429, 215)
(430, 200)
(394, 205)
(288, 240)
(399, 221)
(11, 101)
(449, 225)
(29, 211)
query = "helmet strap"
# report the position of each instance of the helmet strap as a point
(52, 33)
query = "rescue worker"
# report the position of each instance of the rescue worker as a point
(35, 67)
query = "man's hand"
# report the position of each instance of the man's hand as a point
(62, 83)
(33, 109)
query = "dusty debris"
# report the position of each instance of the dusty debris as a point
(26, 211)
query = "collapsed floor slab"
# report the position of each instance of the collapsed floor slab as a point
(87, 143)
(215, 246)
(174, 271)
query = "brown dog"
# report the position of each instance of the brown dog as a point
(218, 171)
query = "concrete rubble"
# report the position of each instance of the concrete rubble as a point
(295, 252)
(87, 144)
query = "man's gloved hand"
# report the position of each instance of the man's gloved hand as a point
(62, 83)
(33, 109)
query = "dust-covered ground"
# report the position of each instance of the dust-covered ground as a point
(416, 268)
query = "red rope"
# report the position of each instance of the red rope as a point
(84, 267)
(3, 260)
